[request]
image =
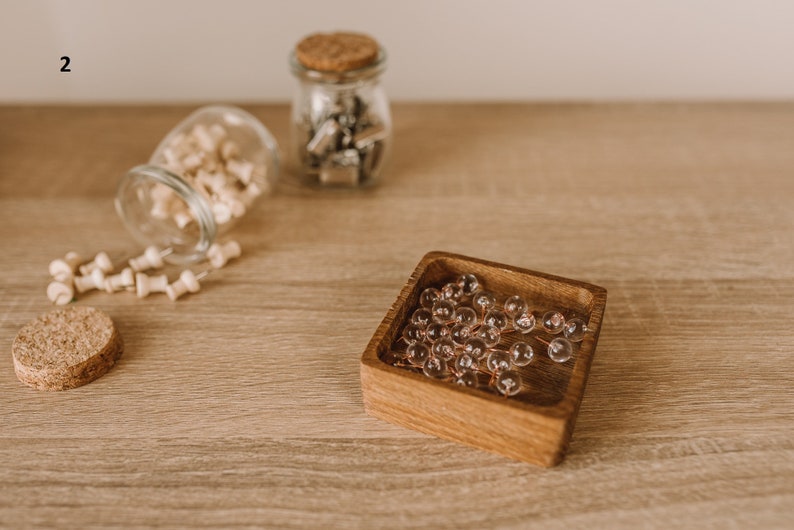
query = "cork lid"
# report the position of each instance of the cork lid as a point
(337, 52)
(66, 348)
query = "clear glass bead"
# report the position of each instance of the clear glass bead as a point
(443, 311)
(417, 353)
(490, 335)
(476, 347)
(521, 353)
(560, 350)
(413, 333)
(428, 297)
(524, 323)
(460, 333)
(498, 361)
(508, 383)
(444, 348)
(574, 329)
(452, 292)
(468, 379)
(553, 321)
(422, 317)
(515, 305)
(466, 315)
(483, 300)
(469, 283)
(435, 331)
(435, 367)
(496, 318)
(465, 361)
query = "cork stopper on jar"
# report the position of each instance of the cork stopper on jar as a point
(337, 52)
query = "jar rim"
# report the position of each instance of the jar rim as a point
(374, 69)
(198, 205)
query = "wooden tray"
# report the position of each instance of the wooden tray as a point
(533, 426)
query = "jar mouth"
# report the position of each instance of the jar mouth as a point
(149, 224)
(370, 71)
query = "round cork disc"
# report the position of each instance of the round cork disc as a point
(337, 52)
(66, 348)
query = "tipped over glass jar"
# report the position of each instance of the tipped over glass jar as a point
(201, 179)
(341, 122)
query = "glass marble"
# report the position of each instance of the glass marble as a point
(452, 292)
(483, 300)
(524, 323)
(460, 333)
(443, 311)
(574, 329)
(508, 383)
(515, 305)
(466, 315)
(428, 297)
(553, 322)
(435, 367)
(469, 283)
(444, 348)
(435, 331)
(465, 361)
(491, 335)
(476, 347)
(498, 361)
(560, 350)
(413, 333)
(422, 317)
(521, 354)
(496, 318)
(417, 353)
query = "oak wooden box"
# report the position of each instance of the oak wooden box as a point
(533, 426)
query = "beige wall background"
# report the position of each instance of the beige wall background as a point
(236, 50)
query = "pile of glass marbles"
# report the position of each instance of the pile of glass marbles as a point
(460, 332)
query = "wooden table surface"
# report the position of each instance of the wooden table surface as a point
(241, 406)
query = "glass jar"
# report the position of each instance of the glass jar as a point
(341, 125)
(202, 178)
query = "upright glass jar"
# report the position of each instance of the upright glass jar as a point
(341, 122)
(201, 179)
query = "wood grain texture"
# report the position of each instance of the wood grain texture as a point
(241, 406)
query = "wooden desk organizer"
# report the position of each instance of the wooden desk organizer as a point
(533, 426)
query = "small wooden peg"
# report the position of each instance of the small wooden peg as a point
(94, 280)
(187, 282)
(152, 258)
(150, 284)
(60, 293)
(63, 269)
(101, 261)
(220, 254)
(117, 282)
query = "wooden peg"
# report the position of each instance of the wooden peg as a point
(63, 269)
(94, 280)
(60, 293)
(220, 254)
(150, 284)
(187, 282)
(101, 261)
(152, 258)
(117, 282)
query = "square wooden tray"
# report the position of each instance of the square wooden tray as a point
(533, 426)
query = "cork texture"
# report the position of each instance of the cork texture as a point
(66, 348)
(337, 52)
